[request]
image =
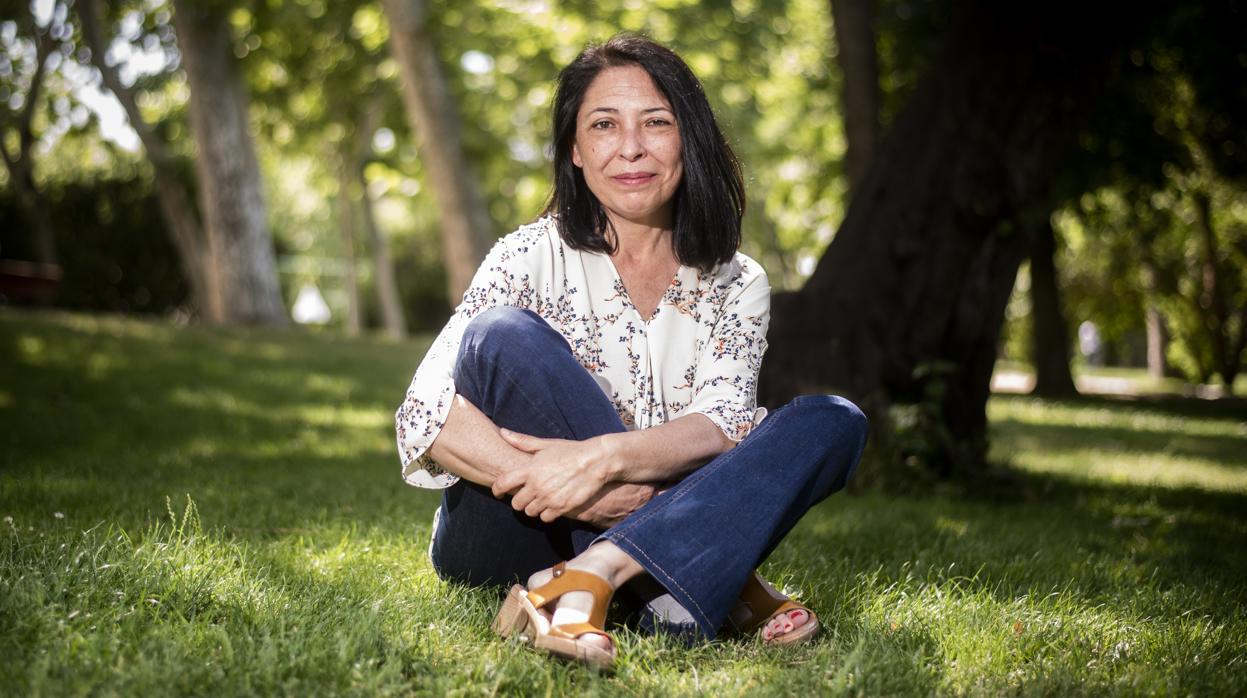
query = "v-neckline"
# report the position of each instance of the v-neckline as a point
(627, 298)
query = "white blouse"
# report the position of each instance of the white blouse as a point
(700, 351)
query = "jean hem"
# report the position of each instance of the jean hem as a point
(666, 580)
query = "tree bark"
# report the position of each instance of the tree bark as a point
(920, 271)
(230, 193)
(855, 41)
(1153, 321)
(1226, 349)
(1050, 346)
(383, 267)
(466, 229)
(179, 214)
(346, 222)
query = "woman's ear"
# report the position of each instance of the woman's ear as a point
(576, 156)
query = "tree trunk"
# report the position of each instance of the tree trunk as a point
(855, 41)
(1225, 348)
(33, 204)
(919, 273)
(346, 220)
(1050, 347)
(465, 224)
(383, 267)
(20, 167)
(1153, 321)
(230, 194)
(181, 219)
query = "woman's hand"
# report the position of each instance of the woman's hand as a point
(561, 476)
(613, 503)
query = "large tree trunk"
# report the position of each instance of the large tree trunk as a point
(181, 219)
(1050, 346)
(855, 42)
(909, 297)
(230, 193)
(465, 224)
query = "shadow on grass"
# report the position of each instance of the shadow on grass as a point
(283, 437)
(1227, 451)
(1161, 405)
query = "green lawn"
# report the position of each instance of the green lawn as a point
(218, 512)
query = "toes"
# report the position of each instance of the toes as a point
(601, 641)
(539, 577)
(785, 623)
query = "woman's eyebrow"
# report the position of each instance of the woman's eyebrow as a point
(613, 110)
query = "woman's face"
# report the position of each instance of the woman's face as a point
(628, 146)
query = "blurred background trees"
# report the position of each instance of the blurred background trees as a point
(906, 162)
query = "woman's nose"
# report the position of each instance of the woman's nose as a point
(631, 148)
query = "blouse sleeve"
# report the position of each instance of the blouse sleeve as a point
(423, 413)
(725, 383)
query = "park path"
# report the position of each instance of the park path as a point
(1020, 382)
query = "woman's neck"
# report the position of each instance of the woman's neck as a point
(639, 241)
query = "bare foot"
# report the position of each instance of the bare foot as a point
(784, 623)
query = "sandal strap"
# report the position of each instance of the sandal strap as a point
(785, 608)
(762, 605)
(566, 580)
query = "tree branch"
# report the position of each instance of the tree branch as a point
(89, 14)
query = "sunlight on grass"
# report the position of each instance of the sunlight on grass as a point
(1123, 443)
(227, 518)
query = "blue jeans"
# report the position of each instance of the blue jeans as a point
(699, 540)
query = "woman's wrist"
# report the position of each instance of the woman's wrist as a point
(608, 460)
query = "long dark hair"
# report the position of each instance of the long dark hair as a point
(710, 199)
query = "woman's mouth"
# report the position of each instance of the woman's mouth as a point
(633, 178)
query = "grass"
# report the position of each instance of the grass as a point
(198, 511)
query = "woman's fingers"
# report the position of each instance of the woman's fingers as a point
(522, 499)
(524, 442)
(507, 482)
(534, 509)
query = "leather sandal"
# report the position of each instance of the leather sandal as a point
(758, 606)
(519, 616)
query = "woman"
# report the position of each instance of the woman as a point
(593, 398)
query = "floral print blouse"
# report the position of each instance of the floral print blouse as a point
(700, 352)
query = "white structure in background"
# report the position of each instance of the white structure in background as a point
(1089, 343)
(310, 307)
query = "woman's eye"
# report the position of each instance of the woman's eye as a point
(659, 122)
(601, 124)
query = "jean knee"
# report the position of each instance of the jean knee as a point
(498, 327)
(495, 334)
(847, 426)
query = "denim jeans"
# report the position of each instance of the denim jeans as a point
(698, 540)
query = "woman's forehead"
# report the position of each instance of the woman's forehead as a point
(619, 88)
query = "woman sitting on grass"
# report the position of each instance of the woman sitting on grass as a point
(593, 397)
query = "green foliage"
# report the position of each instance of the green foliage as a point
(228, 519)
(114, 253)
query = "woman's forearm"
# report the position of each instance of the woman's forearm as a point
(664, 453)
(469, 445)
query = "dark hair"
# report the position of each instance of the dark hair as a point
(710, 199)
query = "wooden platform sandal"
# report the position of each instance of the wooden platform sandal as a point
(758, 606)
(519, 616)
